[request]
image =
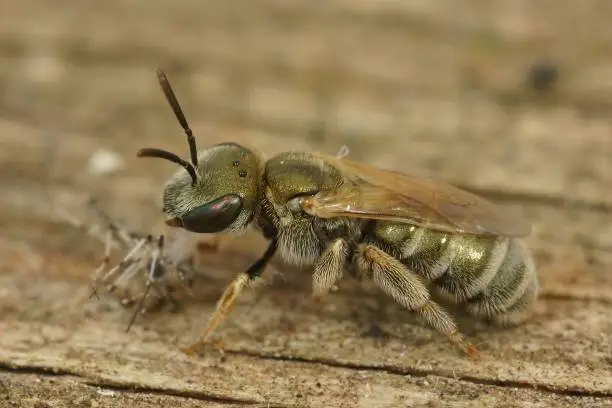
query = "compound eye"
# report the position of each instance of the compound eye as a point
(211, 217)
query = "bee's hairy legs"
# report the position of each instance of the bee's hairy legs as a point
(398, 282)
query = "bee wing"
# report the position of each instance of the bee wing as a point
(387, 195)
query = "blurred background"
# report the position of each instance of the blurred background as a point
(505, 95)
(509, 98)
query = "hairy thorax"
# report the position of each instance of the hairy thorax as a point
(298, 243)
(301, 237)
(289, 178)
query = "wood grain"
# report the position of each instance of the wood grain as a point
(428, 88)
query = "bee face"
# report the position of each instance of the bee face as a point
(222, 198)
(216, 190)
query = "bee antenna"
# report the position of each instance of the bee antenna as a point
(178, 112)
(164, 154)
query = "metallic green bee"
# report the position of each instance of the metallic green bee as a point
(411, 236)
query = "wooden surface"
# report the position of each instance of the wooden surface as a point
(428, 88)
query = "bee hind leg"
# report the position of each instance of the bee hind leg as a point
(408, 290)
(227, 301)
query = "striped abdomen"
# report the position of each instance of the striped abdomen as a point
(493, 277)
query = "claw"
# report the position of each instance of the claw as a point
(473, 352)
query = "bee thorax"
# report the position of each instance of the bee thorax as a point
(299, 247)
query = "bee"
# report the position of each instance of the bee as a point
(413, 237)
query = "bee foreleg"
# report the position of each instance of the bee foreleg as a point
(408, 290)
(231, 293)
(328, 268)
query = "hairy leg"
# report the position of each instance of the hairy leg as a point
(228, 299)
(328, 268)
(408, 290)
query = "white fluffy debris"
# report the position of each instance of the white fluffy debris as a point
(104, 161)
(343, 152)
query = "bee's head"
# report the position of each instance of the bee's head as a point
(217, 190)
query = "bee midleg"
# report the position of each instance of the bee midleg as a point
(407, 289)
(329, 267)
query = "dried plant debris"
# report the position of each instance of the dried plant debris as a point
(150, 272)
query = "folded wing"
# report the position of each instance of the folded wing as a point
(376, 193)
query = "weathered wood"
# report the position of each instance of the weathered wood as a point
(390, 81)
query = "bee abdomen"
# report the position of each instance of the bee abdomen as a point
(466, 266)
(425, 252)
(509, 295)
(493, 277)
